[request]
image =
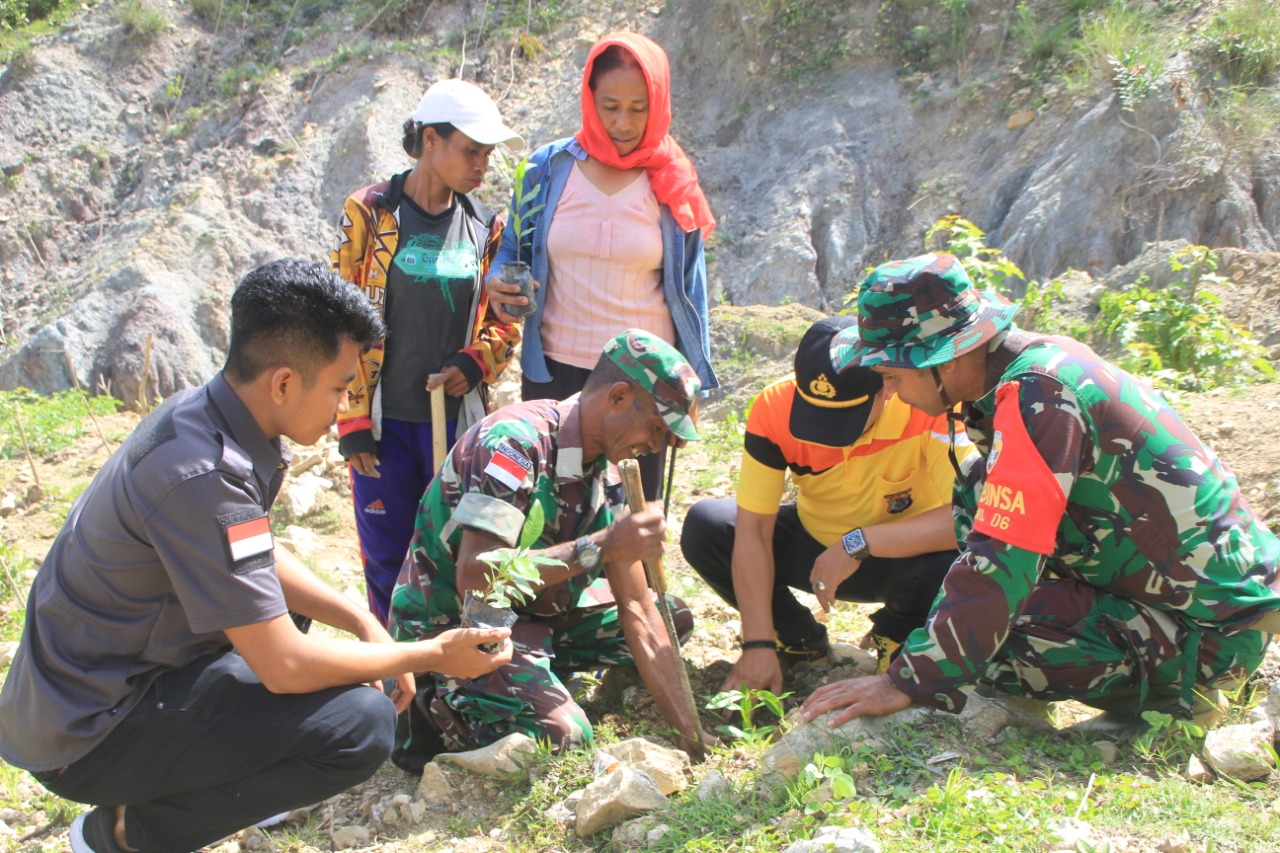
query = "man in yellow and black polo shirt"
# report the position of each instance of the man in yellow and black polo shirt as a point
(872, 521)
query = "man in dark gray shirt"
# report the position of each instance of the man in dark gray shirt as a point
(160, 676)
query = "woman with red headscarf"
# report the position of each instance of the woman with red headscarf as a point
(612, 223)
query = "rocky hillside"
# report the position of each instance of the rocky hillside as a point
(154, 150)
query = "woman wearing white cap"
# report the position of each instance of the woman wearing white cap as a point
(419, 247)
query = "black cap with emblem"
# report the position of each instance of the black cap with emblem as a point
(831, 408)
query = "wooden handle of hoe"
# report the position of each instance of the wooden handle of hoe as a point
(439, 438)
(629, 471)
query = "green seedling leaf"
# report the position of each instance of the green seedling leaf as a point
(515, 573)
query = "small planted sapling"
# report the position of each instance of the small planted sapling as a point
(747, 703)
(522, 211)
(514, 577)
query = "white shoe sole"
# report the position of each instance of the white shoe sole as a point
(273, 820)
(78, 844)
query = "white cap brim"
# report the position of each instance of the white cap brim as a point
(491, 133)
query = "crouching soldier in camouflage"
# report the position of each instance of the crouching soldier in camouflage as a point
(1110, 556)
(593, 611)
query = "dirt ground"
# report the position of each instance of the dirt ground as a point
(1241, 424)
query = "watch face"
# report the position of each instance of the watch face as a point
(587, 553)
(854, 542)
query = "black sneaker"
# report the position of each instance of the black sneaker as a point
(417, 739)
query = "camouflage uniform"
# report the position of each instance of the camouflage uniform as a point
(1110, 556)
(522, 453)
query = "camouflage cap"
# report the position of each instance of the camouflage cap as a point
(920, 312)
(662, 371)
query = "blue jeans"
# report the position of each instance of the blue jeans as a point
(210, 751)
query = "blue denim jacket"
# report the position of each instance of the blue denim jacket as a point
(684, 267)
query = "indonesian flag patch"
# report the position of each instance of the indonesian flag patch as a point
(1022, 501)
(248, 538)
(508, 466)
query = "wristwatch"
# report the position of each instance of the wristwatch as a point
(855, 544)
(586, 553)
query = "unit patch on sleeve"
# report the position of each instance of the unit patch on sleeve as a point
(1021, 502)
(508, 466)
(249, 542)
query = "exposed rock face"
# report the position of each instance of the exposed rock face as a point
(143, 226)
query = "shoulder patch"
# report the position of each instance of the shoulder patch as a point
(508, 466)
(249, 542)
(155, 430)
(1021, 503)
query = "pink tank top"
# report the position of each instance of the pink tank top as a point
(605, 270)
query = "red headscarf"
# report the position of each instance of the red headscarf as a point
(671, 175)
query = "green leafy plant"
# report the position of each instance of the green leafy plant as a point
(522, 208)
(747, 702)
(1038, 311)
(825, 780)
(516, 573)
(1169, 741)
(16, 13)
(1133, 82)
(1179, 336)
(988, 267)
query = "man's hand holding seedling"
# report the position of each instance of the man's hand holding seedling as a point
(463, 660)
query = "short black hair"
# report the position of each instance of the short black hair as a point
(296, 313)
(411, 141)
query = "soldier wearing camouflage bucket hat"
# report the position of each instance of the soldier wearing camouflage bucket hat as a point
(640, 397)
(1109, 555)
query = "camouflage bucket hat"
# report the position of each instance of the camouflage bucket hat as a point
(920, 312)
(662, 371)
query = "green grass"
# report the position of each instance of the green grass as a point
(49, 423)
(1041, 35)
(1122, 36)
(18, 13)
(1243, 41)
(19, 25)
(142, 22)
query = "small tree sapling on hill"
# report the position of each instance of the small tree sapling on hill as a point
(514, 577)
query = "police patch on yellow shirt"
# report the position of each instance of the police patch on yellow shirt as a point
(1021, 501)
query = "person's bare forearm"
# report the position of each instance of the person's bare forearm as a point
(289, 661)
(307, 594)
(925, 533)
(656, 660)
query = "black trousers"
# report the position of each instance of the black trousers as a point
(209, 751)
(905, 585)
(567, 380)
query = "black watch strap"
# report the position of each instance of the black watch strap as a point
(758, 644)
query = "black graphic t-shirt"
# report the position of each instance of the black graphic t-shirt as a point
(428, 313)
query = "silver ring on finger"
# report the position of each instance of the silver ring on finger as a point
(819, 586)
